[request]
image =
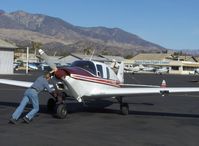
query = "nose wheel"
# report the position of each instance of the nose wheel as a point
(59, 109)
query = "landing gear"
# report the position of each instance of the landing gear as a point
(124, 107)
(59, 109)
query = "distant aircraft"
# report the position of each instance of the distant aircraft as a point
(86, 79)
(148, 69)
(32, 66)
(129, 68)
(196, 71)
(44, 66)
(161, 70)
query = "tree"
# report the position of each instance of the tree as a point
(128, 57)
(104, 52)
(87, 51)
(36, 46)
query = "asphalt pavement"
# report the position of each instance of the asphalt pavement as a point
(172, 120)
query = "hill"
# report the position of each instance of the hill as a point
(57, 35)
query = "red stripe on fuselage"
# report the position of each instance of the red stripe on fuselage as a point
(81, 74)
(96, 80)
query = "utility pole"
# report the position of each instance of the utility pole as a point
(27, 59)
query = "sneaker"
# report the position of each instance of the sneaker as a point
(26, 120)
(13, 121)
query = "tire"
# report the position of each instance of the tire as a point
(124, 109)
(51, 104)
(61, 111)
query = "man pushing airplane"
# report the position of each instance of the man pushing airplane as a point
(31, 95)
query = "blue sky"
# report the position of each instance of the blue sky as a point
(174, 24)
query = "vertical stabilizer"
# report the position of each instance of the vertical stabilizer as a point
(120, 73)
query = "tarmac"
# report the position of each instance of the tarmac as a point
(172, 120)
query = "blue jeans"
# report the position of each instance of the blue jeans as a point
(30, 95)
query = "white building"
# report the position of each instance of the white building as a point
(177, 64)
(6, 57)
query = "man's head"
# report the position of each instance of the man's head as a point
(47, 76)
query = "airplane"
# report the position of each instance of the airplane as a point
(32, 66)
(161, 70)
(196, 71)
(128, 68)
(134, 69)
(148, 69)
(87, 79)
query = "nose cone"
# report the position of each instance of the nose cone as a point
(60, 73)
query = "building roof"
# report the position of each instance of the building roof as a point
(183, 63)
(185, 58)
(109, 57)
(152, 56)
(4, 44)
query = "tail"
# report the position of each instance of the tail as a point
(120, 73)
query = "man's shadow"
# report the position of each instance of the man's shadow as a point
(98, 106)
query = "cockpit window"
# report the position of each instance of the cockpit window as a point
(108, 73)
(100, 71)
(87, 65)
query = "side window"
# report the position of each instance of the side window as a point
(108, 73)
(100, 71)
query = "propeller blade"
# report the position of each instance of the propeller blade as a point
(48, 61)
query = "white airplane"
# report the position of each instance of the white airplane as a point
(129, 68)
(196, 71)
(90, 79)
(32, 66)
(161, 70)
(134, 69)
(148, 69)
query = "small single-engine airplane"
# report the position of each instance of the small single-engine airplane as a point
(90, 79)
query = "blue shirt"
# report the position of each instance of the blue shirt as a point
(40, 84)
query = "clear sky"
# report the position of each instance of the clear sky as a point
(174, 24)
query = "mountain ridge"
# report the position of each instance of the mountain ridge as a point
(54, 32)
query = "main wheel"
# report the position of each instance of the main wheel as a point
(61, 111)
(124, 109)
(51, 104)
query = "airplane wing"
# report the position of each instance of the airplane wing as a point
(135, 91)
(28, 84)
(16, 83)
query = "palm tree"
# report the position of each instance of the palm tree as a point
(36, 46)
(87, 51)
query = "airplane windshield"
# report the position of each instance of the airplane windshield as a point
(87, 65)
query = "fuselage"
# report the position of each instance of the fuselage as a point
(86, 77)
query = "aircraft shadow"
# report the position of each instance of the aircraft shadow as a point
(164, 114)
(99, 107)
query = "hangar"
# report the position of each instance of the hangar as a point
(6, 57)
(181, 64)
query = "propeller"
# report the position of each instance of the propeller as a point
(45, 57)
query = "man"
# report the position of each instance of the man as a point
(31, 95)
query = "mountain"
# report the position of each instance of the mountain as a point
(57, 35)
(194, 52)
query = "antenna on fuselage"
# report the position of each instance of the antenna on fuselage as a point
(92, 55)
(120, 73)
